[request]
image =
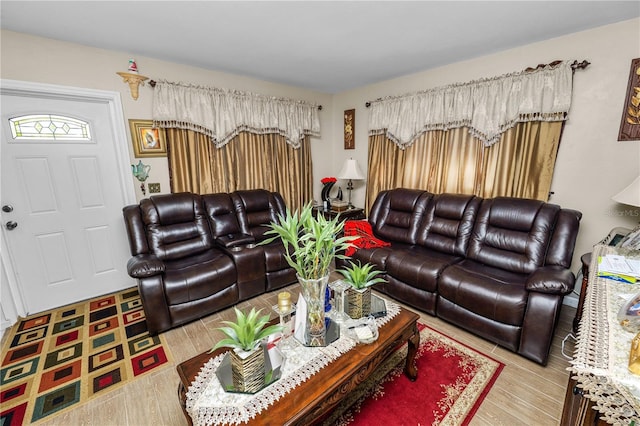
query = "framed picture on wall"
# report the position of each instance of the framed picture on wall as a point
(350, 129)
(630, 123)
(148, 141)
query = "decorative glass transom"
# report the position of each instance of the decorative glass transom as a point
(45, 126)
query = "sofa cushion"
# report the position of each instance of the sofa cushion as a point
(448, 223)
(419, 267)
(256, 208)
(197, 277)
(274, 257)
(396, 215)
(513, 234)
(490, 292)
(176, 225)
(221, 214)
(376, 256)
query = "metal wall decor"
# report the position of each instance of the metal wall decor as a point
(630, 123)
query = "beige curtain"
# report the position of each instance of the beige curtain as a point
(248, 161)
(520, 164)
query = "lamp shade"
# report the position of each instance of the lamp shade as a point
(350, 170)
(630, 195)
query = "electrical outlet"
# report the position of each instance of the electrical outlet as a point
(154, 188)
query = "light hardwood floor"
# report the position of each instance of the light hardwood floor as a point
(524, 394)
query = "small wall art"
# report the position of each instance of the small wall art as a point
(350, 129)
(630, 123)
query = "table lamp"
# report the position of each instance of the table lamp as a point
(350, 171)
(629, 195)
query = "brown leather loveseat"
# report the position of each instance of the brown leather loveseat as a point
(497, 267)
(196, 254)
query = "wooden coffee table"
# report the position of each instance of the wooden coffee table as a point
(312, 400)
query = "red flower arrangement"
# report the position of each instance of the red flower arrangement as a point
(327, 180)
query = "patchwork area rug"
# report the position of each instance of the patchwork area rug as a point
(55, 360)
(453, 379)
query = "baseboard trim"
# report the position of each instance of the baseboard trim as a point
(570, 301)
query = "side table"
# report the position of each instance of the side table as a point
(586, 260)
(350, 214)
(600, 388)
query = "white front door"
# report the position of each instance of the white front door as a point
(61, 197)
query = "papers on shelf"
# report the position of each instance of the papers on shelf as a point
(619, 268)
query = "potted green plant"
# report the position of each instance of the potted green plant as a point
(361, 278)
(311, 241)
(244, 337)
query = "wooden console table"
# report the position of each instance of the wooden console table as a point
(601, 389)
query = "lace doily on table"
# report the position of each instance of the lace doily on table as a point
(207, 402)
(602, 352)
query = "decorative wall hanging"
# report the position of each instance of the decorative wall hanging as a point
(350, 129)
(148, 141)
(630, 123)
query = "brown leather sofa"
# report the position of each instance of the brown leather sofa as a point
(196, 254)
(496, 267)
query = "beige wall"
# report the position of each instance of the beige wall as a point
(30, 58)
(592, 166)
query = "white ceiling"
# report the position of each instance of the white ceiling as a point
(328, 46)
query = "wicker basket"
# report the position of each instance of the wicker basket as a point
(358, 302)
(248, 370)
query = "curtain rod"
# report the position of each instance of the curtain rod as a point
(152, 83)
(574, 66)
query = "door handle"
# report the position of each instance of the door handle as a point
(8, 208)
(11, 225)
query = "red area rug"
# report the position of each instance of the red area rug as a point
(56, 360)
(453, 379)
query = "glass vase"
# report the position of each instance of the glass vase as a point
(313, 292)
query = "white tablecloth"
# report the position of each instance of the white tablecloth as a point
(601, 359)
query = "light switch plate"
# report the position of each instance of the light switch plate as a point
(154, 188)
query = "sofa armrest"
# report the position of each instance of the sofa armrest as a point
(551, 280)
(234, 240)
(145, 265)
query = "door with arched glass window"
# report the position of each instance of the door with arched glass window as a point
(62, 197)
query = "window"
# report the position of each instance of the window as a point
(46, 126)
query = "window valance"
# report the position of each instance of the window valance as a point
(223, 114)
(487, 107)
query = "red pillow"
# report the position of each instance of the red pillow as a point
(366, 239)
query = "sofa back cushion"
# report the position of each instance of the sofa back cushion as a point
(257, 208)
(221, 214)
(176, 225)
(448, 223)
(396, 214)
(513, 233)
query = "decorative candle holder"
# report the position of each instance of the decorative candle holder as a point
(285, 309)
(339, 288)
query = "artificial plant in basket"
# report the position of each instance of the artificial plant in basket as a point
(361, 277)
(244, 337)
